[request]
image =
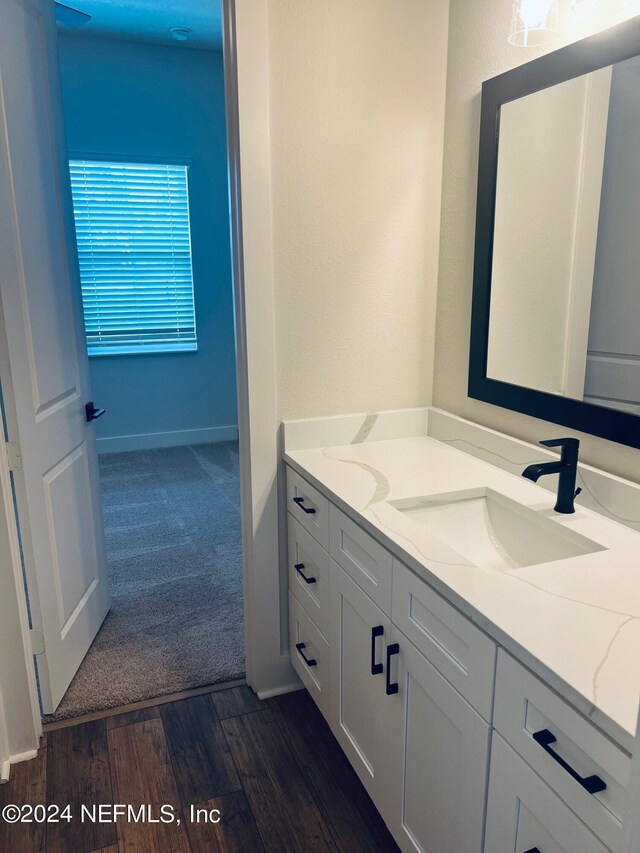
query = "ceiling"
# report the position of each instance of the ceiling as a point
(152, 20)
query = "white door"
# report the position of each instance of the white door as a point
(44, 368)
(438, 749)
(525, 816)
(358, 669)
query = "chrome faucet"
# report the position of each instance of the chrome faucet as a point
(566, 467)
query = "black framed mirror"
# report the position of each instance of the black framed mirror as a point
(555, 328)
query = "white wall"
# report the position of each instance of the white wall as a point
(247, 79)
(357, 107)
(131, 99)
(478, 50)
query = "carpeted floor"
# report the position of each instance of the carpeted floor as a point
(172, 525)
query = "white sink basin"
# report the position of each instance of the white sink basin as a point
(492, 531)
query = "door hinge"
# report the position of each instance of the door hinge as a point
(37, 642)
(14, 459)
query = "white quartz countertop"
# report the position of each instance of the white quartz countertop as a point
(575, 622)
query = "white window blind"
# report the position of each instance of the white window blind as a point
(134, 247)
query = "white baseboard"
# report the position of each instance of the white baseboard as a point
(279, 691)
(176, 438)
(5, 767)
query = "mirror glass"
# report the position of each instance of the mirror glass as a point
(564, 314)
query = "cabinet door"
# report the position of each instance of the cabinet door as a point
(360, 716)
(437, 759)
(524, 815)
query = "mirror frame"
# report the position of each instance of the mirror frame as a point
(614, 45)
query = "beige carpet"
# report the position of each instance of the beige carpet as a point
(172, 526)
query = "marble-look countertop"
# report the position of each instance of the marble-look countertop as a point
(575, 622)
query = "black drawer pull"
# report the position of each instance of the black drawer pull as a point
(308, 509)
(533, 850)
(376, 668)
(393, 649)
(299, 567)
(309, 661)
(592, 784)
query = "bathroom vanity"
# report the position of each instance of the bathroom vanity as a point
(471, 649)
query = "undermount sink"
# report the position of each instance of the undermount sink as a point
(492, 531)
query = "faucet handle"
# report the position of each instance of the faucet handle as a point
(561, 442)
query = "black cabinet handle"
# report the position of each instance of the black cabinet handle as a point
(376, 668)
(533, 850)
(91, 413)
(299, 567)
(592, 784)
(393, 649)
(309, 661)
(308, 509)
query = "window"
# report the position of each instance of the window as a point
(134, 248)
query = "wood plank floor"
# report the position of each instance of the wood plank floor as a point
(272, 770)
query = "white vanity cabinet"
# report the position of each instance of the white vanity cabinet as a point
(443, 727)
(525, 816)
(361, 712)
(417, 744)
(309, 654)
(419, 748)
(437, 752)
(545, 753)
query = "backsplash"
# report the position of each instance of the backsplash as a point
(604, 493)
(354, 429)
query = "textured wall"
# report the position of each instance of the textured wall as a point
(357, 107)
(128, 99)
(478, 50)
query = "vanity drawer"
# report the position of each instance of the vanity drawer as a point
(524, 705)
(362, 558)
(460, 651)
(308, 506)
(309, 573)
(307, 642)
(524, 815)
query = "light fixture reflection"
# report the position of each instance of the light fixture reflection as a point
(534, 22)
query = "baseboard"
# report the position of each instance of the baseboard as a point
(175, 438)
(279, 691)
(5, 767)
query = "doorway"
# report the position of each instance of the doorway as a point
(66, 587)
(145, 128)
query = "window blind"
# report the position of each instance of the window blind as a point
(134, 249)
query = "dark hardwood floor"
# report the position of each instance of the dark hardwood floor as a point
(272, 770)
